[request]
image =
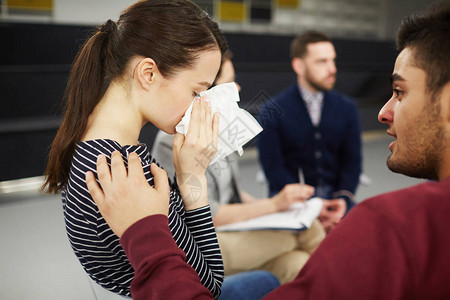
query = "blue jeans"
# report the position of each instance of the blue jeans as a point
(251, 285)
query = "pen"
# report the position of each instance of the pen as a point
(301, 177)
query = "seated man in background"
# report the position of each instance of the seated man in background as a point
(285, 252)
(392, 246)
(317, 131)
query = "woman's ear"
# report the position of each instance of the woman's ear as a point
(145, 72)
(298, 65)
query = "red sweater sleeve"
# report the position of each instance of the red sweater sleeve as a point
(161, 271)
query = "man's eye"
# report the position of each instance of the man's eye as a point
(397, 92)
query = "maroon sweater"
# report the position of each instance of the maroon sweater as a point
(393, 246)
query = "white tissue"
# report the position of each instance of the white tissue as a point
(236, 126)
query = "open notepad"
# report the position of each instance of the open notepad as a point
(299, 216)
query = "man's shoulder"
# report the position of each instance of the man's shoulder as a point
(421, 190)
(288, 94)
(425, 198)
(274, 108)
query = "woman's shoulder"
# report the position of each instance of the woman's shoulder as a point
(98, 146)
(86, 153)
(93, 148)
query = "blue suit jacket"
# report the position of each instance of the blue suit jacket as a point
(329, 154)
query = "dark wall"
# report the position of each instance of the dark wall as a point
(364, 67)
(35, 61)
(34, 65)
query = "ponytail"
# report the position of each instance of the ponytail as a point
(91, 74)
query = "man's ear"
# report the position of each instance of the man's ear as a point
(298, 65)
(146, 71)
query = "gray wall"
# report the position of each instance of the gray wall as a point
(357, 19)
(397, 9)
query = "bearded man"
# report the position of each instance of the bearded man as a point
(315, 132)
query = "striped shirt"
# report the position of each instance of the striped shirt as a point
(98, 248)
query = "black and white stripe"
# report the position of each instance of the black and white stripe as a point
(98, 248)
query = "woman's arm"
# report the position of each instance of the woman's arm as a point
(160, 268)
(236, 212)
(192, 230)
(253, 207)
(192, 154)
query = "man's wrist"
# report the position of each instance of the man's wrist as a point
(347, 196)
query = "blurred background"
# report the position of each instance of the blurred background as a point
(39, 39)
(38, 42)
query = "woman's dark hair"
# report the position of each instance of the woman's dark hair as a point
(171, 32)
(428, 35)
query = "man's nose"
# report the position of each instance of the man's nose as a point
(386, 114)
(332, 68)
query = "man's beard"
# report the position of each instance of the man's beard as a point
(420, 154)
(423, 170)
(318, 86)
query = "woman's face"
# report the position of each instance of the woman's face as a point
(175, 94)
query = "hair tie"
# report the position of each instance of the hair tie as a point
(108, 27)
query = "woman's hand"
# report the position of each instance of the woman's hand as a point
(126, 196)
(293, 192)
(193, 153)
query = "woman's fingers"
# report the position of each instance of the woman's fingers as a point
(209, 123)
(203, 134)
(194, 124)
(178, 141)
(215, 129)
(192, 154)
(201, 127)
(199, 131)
